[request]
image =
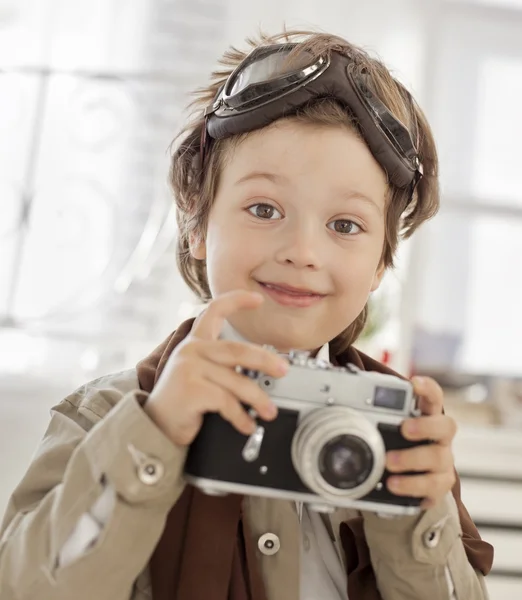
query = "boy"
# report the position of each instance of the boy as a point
(294, 183)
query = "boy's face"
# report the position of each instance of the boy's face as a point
(299, 216)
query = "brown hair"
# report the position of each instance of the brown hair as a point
(195, 188)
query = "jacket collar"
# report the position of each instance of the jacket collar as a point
(229, 333)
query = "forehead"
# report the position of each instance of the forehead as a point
(334, 156)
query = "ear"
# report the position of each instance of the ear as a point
(377, 278)
(197, 246)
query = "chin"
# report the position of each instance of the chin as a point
(285, 340)
(281, 330)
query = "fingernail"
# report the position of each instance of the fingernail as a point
(394, 483)
(393, 457)
(283, 367)
(251, 428)
(271, 411)
(410, 427)
(418, 381)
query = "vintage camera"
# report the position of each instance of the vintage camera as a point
(326, 447)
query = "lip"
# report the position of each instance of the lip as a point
(288, 295)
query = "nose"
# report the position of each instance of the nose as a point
(299, 246)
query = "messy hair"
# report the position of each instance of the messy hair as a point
(195, 187)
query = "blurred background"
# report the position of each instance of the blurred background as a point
(91, 95)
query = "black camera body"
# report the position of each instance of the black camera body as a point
(327, 447)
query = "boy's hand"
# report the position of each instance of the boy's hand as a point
(435, 459)
(200, 376)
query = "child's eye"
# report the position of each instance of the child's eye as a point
(264, 211)
(344, 226)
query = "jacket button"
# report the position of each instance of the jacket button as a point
(150, 472)
(269, 544)
(431, 537)
(149, 469)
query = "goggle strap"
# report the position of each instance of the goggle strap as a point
(413, 186)
(203, 143)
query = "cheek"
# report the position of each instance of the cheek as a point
(231, 257)
(361, 264)
(227, 244)
(355, 281)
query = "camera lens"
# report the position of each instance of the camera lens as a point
(338, 453)
(345, 462)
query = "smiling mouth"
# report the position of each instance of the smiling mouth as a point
(291, 291)
(290, 296)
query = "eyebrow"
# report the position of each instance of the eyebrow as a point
(278, 178)
(273, 177)
(359, 196)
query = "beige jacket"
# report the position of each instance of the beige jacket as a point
(101, 434)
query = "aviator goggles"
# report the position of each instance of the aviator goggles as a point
(274, 81)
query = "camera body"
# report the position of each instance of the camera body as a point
(326, 448)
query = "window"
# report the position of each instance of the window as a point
(468, 315)
(90, 98)
(497, 151)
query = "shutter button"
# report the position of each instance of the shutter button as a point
(269, 544)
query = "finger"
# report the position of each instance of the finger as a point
(212, 398)
(437, 428)
(243, 389)
(210, 323)
(236, 415)
(429, 503)
(434, 458)
(431, 486)
(249, 356)
(431, 396)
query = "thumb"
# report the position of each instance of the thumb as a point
(210, 322)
